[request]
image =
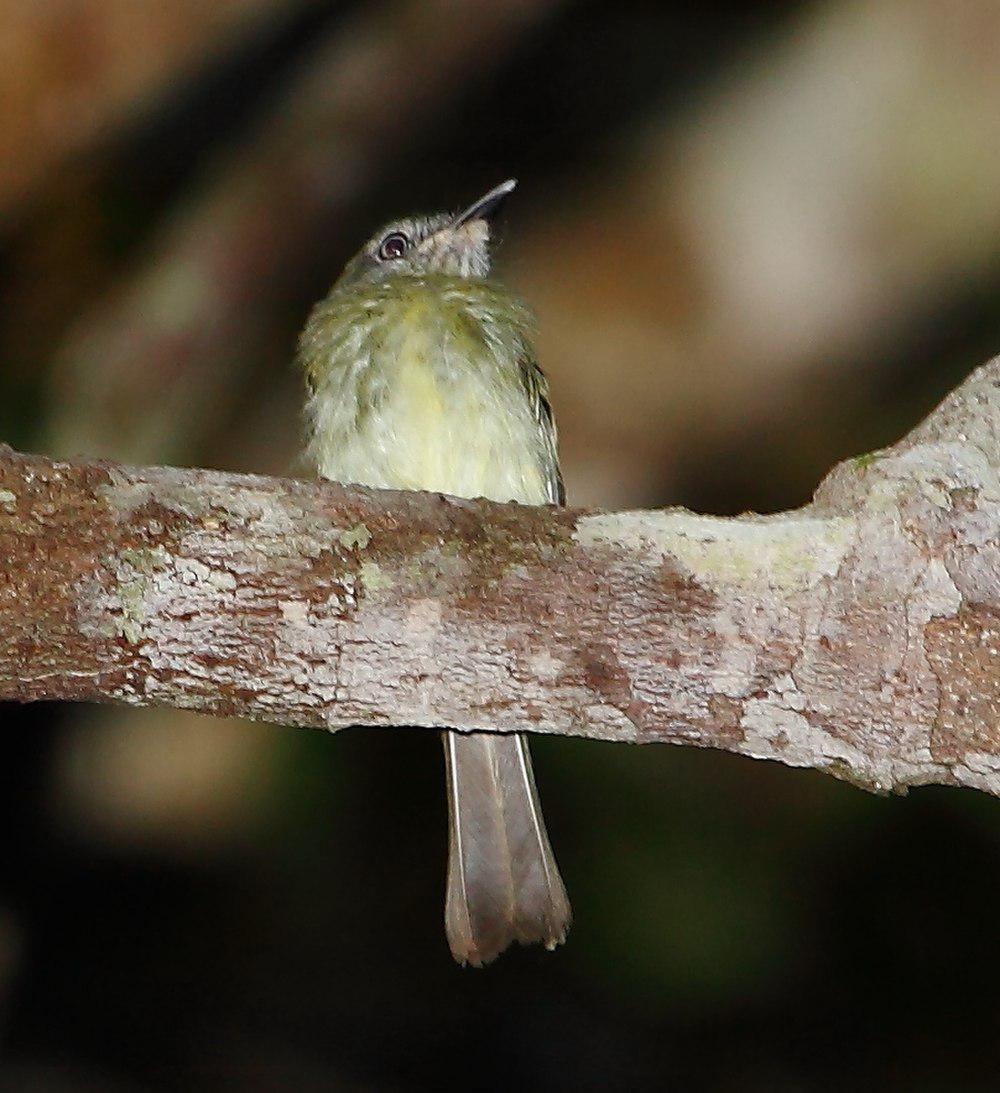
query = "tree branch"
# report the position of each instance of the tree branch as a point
(858, 635)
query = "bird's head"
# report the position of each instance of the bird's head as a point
(457, 246)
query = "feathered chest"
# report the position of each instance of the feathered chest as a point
(423, 385)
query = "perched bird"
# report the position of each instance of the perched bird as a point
(421, 376)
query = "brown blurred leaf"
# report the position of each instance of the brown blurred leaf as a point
(72, 70)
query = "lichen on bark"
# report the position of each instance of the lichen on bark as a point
(859, 635)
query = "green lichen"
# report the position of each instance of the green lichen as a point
(8, 500)
(863, 462)
(356, 537)
(132, 597)
(135, 567)
(187, 500)
(791, 553)
(146, 559)
(374, 578)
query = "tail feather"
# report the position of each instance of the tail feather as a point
(503, 881)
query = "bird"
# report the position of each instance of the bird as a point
(420, 375)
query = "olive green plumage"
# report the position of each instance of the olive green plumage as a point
(429, 382)
(421, 375)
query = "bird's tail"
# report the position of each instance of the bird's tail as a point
(503, 881)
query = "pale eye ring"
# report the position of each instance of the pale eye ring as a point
(393, 246)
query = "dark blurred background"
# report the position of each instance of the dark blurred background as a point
(760, 237)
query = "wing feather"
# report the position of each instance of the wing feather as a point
(536, 387)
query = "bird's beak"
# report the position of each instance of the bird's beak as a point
(487, 205)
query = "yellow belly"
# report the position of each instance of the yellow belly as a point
(430, 410)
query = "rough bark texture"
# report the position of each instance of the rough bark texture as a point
(859, 635)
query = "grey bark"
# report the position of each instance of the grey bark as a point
(859, 635)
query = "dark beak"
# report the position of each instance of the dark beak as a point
(487, 205)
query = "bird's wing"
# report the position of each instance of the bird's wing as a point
(536, 387)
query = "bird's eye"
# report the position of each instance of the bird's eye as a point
(393, 246)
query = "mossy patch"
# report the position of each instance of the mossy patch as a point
(863, 462)
(357, 537)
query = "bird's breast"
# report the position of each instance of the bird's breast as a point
(429, 397)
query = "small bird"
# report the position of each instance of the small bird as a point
(421, 376)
